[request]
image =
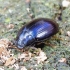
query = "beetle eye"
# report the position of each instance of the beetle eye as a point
(23, 42)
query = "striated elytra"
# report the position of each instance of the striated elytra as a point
(36, 31)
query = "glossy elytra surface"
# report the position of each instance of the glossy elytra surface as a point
(35, 31)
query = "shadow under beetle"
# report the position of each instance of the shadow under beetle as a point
(36, 31)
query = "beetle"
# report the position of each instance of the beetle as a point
(36, 31)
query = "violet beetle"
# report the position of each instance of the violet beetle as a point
(36, 31)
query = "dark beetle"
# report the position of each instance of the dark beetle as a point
(36, 31)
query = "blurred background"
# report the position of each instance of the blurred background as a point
(15, 13)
